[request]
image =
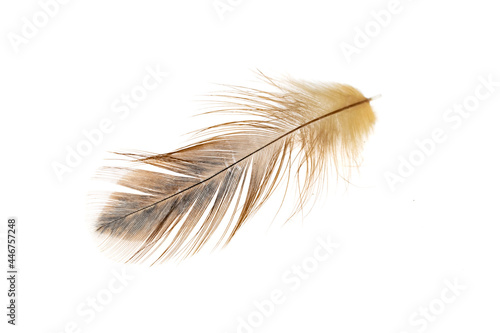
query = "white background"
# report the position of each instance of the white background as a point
(398, 246)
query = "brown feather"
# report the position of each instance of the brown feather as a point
(233, 168)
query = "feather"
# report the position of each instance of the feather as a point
(212, 187)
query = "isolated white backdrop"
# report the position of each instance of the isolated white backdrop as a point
(400, 247)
